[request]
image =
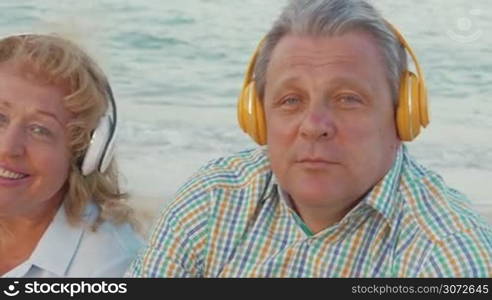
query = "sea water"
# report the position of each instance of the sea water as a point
(176, 68)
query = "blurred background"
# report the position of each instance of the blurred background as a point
(176, 68)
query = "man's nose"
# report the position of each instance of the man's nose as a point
(318, 123)
(12, 142)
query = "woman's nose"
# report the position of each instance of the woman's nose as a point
(11, 141)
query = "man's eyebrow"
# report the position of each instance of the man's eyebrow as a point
(289, 80)
(351, 83)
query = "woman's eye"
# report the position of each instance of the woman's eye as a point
(40, 131)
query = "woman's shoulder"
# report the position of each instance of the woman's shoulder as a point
(119, 238)
(106, 251)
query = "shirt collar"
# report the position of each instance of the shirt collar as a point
(58, 245)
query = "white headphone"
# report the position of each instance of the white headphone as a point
(101, 146)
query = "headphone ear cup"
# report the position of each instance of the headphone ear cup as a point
(251, 116)
(258, 118)
(243, 107)
(408, 111)
(424, 108)
(402, 111)
(415, 106)
(97, 149)
(108, 152)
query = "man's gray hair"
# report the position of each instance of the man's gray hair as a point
(334, 18)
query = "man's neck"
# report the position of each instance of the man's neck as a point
(320, 218)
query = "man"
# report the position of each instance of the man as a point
(334, 193)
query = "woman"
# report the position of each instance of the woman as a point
(61, 210)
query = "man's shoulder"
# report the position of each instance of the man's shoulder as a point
(234, 178)
(233, 171)
(440, 210)
(241, 163)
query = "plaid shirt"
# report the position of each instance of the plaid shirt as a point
(229, 221)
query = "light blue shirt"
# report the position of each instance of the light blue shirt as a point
(65, 250)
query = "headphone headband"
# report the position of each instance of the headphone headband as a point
(407, 47)
(101, 147)
(252, 63)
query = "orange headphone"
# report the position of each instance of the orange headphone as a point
(411, 113)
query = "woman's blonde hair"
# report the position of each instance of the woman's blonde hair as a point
(60, 61)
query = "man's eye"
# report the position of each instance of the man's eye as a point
(3, 119)
(349, 100)
(289, 101)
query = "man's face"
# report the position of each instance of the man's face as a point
(330, 118)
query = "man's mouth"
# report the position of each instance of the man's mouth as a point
(315, 160)
(315, 163)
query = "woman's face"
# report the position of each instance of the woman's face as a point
(34, 154)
